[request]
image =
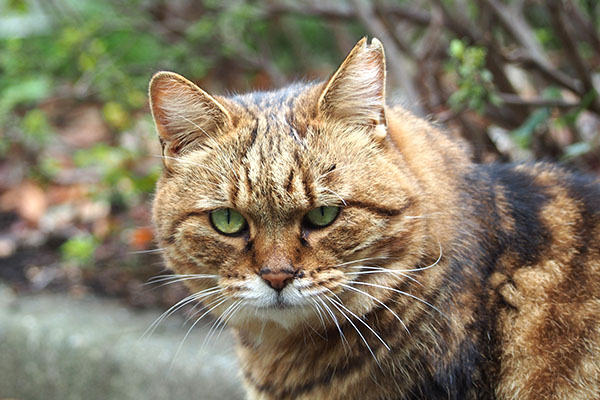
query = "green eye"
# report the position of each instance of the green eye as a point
(322, 216)
(227, 221)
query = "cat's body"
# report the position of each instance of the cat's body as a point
(438, 279)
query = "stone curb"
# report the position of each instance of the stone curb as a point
(53, 347)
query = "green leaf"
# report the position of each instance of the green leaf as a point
(79, 250)
(576, 150)
(26, 91)
(19, 6)
(523, 134)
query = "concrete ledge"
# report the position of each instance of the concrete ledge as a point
(54, 347)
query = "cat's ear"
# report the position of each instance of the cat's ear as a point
(356, 92)
(185, 115)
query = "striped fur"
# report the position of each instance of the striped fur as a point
(440, 279)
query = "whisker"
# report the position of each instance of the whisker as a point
(178, 278)
(407, 270)
(192, 297)
(335, 321)
(424, 216)
(146, 251)
(401, 292)
(192, 327)
(378, 301)
(332, 171)
(379, 270)
(320, 311)
(363, 260)
(337, 195)
(434, 264)
(204, 308)
(333, 302)
(189, 162)
(341, 304)
(192, 313)
(193, 123)
(221, 320)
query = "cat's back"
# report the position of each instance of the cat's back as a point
(545, 281)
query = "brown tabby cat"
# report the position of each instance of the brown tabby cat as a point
(358, 253)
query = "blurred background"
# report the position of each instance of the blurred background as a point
(518, 79)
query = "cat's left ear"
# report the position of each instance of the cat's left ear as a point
(355, 94)
(185, 115)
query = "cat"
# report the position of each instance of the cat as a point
(358, 253)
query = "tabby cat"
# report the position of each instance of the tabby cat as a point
(358, 253)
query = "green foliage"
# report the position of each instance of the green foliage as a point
(575, 150)
(475, 86)
(101, 54)
(107, 59)
(524, 134)
(79, 250)
(18, 92)
(36, 128)
(119, 183)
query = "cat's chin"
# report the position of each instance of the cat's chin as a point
(285, 315)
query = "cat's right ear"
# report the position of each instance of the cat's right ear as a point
(185, 115)
(355, 94)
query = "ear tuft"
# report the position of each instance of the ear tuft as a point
(356, 92)
(185, 115)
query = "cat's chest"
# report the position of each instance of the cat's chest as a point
(308, 367)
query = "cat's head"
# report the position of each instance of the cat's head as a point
(271, 203)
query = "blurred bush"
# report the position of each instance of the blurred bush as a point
(517, 78)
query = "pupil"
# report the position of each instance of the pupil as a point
(228, 216)
(322, 211)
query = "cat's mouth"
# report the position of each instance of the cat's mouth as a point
(278, 303)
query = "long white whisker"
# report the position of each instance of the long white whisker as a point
(192, 297)
(177, 278)
(401, 292)
(320, 311)
(337, 195)
(339, 303)
(435, 263)
(335, 321)
(404, 270)
(146, 251)
(379, 270)
(378, 301)
(333, 302)
(363, 260)
(193, 123)
(192, 313)
(220, 320)
(203, 307)
(192, 327)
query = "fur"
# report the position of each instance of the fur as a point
(439, 279)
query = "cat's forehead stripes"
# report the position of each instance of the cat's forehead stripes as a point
(259, 102)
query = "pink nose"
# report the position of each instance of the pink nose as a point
(278, 279)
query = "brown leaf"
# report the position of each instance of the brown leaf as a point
(85, 127)
(141, 238)
(28, 200)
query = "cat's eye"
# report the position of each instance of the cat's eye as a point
(321, 217)
(228, 221)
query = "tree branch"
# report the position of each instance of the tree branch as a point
(515, 24)
(414, 15)
(566, 36)
(513, 99)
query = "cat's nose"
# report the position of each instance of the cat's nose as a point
(276, 279)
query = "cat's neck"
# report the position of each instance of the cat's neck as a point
(418, 144)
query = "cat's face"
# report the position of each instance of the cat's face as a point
(272, 202)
